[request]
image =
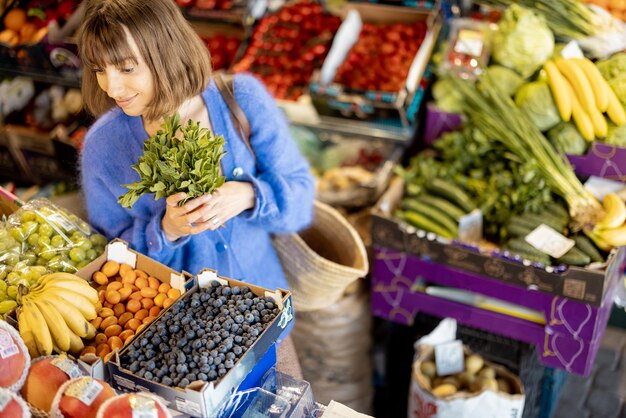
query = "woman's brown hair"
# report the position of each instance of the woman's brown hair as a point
(178, 60)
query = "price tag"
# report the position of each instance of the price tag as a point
(449, 358)
(549, 241)
(469, 42)
(67, 366)
(85, 390)
(471, 226)
(8, 348)
(144, 407)
(600, 187)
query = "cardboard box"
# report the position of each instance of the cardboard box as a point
(203, 399)
(336, 100)
(577, 283)
(118, 250)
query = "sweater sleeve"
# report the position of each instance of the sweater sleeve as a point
(283, 183)
(139, 226)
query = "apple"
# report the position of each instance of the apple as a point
(130, 405)
(49, 373)
(12, 406)
(14, 358)
(81, 398)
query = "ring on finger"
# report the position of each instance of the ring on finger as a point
(215, 220)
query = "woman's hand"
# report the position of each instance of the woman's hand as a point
(207, 212)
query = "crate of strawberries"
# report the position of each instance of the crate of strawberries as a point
(376, 63)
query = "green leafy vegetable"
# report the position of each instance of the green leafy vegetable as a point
(523, 41)
(507, 80)
(535, 100)
(171, 165)
(567, 139)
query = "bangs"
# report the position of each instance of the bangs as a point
(107, 45)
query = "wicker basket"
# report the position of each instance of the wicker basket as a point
(322, 261)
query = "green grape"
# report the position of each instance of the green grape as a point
(43, 241)
(84, 243)
(28, 216)
(30, 258)
(81, 264)
(98, 240)
(3, 273)
(45, 230)
(77, 254)
(17, 234)
(27, 275)
(3, 245)
(84, 227)
(47, 253)
(6, 306)
(28, 228)
(91, 254)
(41, 261)
(4, 295)
(4, 234)
(57, 241)
(12, 292)
(13, 277)
(10, 258)
(77, 236)
(3, 286)
(33, 239)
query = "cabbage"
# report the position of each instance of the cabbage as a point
(616, 135)
(535, 99)
(507, 80)
(447, 97)
(613, 69)
(566, 138)
(523, 41)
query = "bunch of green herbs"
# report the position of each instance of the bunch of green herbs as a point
(177, 159)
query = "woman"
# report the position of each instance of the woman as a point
(142, 61)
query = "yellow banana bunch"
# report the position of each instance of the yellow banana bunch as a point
(611, 230)
(580, 92)
(55, 314)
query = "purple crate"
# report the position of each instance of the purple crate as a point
(439, 122)
(569, 340)
(601, 160)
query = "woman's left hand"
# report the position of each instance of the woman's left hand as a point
(226, 202)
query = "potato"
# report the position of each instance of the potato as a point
(465, 379)
(452, 380)
(473, 363)
(504, 385)
(481, 384)
(487, 373)
(443, 390)
(429, 369)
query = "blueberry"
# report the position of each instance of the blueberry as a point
(230, 356)
(226, 291)
(183, 383)
(266, 319)
(221, 372)
(212, 375)
(238, 339)
(205, 369)
(215, 284)
(167, 381)
(134, 366)
(236, 290)
(203, 376)
(147, 376)
(237, 350)
(210, 345)
(229, 364)
(249, 318)
(217, 360)
(182, 342)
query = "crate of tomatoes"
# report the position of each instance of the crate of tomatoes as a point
(376, 65)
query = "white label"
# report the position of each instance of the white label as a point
(188, 407)
(600, 187)
(143, 407)
(67, 366)
(572, 50)
(549, 241)
(60, 220)
(471, 226)
(85, 390)
(5, 398)
(8, 347)
(449, 358)
(469, 42)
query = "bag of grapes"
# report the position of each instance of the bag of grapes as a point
(40, 238)
(449, 381)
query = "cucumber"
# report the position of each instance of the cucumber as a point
(536, 220)
(412, 205)
(523, 222)
(518, 244)
(545, 259)
(423, 223)
(443, 205)
(575, 257)
(451, 192)
(557, 209)
(585, 245)
(553, 218)
(518, 229)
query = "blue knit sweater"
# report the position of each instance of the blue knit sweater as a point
(242, 249)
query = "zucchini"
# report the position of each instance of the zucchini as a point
(585, 245)
(425, 224)
(557, 209)
(545, 259)
(518, 244)
(553, 218)
(575, 257)
(412, 205)
(443, 205)
(537, 219)
(517, 229)
(451, 192)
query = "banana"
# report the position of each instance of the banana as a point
(581, 119)
(615, 212)
(37, 323)
(614, 237)
(76, 344)
(562, 96)
(59, 330)
(84, 306)
(597, 82)
(27, 335)
(81, 288)
(600, 243)
(615, 110)
(73, 317)
(579, 82)
(600, 127)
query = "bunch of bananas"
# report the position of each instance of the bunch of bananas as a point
(580, 92)
(55, 314)
(611, 230)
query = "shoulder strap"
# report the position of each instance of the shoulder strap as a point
(226, 87)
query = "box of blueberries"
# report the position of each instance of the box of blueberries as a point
(197, 352)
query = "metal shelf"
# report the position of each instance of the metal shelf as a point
(67, 80)
(363, 129)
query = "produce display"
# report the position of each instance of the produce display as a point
(41, 238)
(223, 49)
(287, 46)
(133, 405)
(81, 398)
(617, 8)
(11, 405)
(130, 300)
(15, 360)
(201, 336)
(381, 58)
